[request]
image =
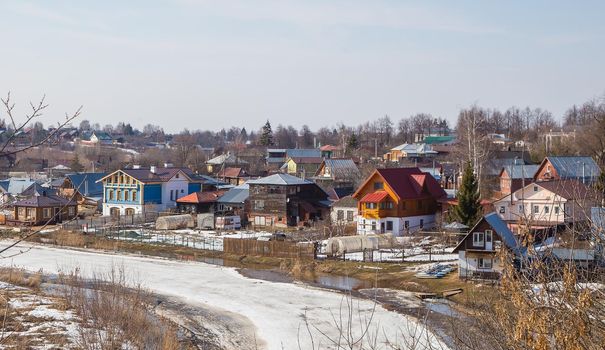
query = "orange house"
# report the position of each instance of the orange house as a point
(397, 200)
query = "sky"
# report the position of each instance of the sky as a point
(201, 64)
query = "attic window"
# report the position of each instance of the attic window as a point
(177, 176)
(535, 188)
(378, 185)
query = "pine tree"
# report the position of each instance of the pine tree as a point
(75, 164)
(266, 137)
(468, 210)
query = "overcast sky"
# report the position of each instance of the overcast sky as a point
(211, 64)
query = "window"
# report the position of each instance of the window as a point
(182, 190)
(502, 210)
(134, 196)
(259, 204)
(389, 225)
(373, 225)
(546, 209)
(536, 209)
(30, 214)
(110, 195)
(478, 239)
(521, 208)
(484, 263)
(488, 236)
(371, 206)
(47, 213)
(535, 188)
(406, 224)
(126, 195)
(350, 215)
(171, 195)
(21, 212)
(557, 210)
(177, 175)
(71, 211)
(118, 195)
(378, 185)
(340, 215)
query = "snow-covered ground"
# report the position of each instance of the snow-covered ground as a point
(277, 310)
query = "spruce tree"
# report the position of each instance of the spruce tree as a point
(75, 164)
(266, 137)
(353, 143)
(468, 210)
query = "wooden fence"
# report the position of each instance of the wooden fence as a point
(276, 249)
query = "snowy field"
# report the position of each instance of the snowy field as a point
(276, 310)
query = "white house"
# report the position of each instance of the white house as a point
(547, 203)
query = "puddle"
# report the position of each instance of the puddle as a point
(441, 306)
(343, 283)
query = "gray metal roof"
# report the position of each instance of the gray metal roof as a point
(342, 169)
(303, 153)
(15, 186)
(519, 171)
(575, 167)
(234, 196)
(279, 179)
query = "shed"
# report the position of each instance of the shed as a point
(174, 222)
(351, 244)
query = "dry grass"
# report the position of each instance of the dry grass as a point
(19, 277)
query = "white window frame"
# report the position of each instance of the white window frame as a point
(478, 239)
(482, 263)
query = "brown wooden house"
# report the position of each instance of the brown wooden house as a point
(44, 209)
(478, 250)
(284, 200)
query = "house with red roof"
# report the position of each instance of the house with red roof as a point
(397, 201)
(199, 202)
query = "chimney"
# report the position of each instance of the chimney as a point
(136, 166)
(152, 169)
(168, 165)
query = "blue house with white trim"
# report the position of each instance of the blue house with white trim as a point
(154, 189)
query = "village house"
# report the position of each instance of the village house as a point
(284, 200)
(154, 189)
(329, 151)
(478, 252)
(397, 200)
(233, 176)
(223, 161)
(338, 173)
(301, 167)
(409, 151)
(276, 157)
(235, 202)
(344, 211)
(513, 177)
(85, 189)
(584, 169)
(546, 204)
(11, 188)
(200, 202)
(43, 209)
(96, 137)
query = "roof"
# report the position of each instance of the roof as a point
(87, 184)
(279, 179)
(306, 160)
(374, 197)
(521, 171)
(44, 201)
(407, 186)
(303, 153)
(101, 135)
(438, 139)
(235, 195)
(15, 186)
(201, 197)
(348, 202)
(341, 168)
(329, 148)
(414, 148)
(568, 189)
(160, 175)
(226, 159)
(574, 167)
(37, 189)
(499, 227)
(231, 172)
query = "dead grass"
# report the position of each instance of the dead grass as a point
(20, 277)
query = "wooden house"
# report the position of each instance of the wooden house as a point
(478, 252)
(284, 200)
(199, 202)
(513, 177)
(233, 176)
(337, 173)
(584, 169)
(43, 209)
(397, 200)
(302, 167)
